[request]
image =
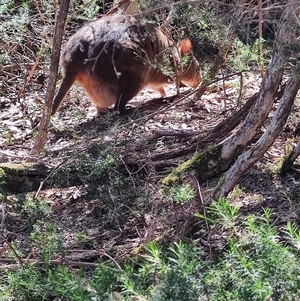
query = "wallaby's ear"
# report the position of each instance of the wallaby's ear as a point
(184, 46)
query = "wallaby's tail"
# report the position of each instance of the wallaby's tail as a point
(66, 84)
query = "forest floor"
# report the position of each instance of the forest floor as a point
(102, 189)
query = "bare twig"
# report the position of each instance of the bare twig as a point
(30, 75)
(50, 174)
(205, 216)
(13, 250)
(158, 133)
(223, 3)
(11, 266)
(260, 25)
(2, 217)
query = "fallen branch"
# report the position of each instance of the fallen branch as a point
(22, 177)
(158, 134)
(11, 265)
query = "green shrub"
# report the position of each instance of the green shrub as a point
(257, 264)
(180, 193)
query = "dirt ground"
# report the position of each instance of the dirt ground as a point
(105, 219)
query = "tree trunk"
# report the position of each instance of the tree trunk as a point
(47, 108)
(247, 159)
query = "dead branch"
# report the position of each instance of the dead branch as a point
(158, 134)
(30, 75)
(282, 53)
(216, 135)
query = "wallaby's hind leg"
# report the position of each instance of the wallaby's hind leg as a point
(65, 86)
(127, 95)
(120, 105)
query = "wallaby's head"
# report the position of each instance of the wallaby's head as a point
(190, 75)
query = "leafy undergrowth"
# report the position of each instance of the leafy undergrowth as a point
(260, 262)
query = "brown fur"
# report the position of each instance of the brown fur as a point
(115, 57)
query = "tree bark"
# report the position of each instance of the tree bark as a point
(47, 108)
(247, 159)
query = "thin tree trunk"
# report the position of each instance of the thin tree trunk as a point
(47, 108)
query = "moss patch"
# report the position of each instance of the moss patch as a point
(200, 162)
